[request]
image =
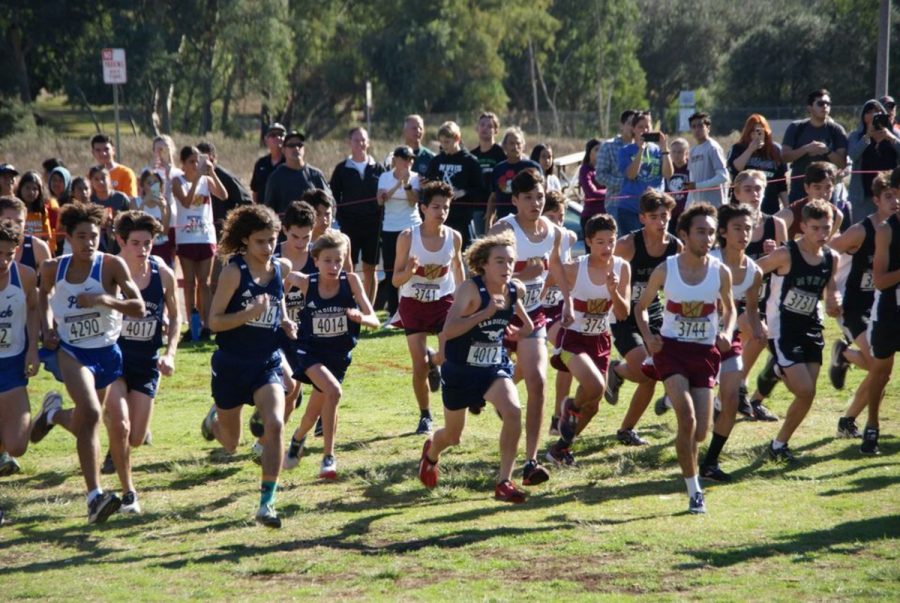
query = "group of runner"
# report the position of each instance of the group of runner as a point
(290, 313)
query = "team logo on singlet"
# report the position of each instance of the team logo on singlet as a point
(597, 306)
(692, 309)
(432, 271)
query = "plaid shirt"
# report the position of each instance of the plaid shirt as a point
(608, 166)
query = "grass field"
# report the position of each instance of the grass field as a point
(613, 527)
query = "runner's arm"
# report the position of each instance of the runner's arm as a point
(365, 315)
(883, 278)
(621, 295)
(832, 297)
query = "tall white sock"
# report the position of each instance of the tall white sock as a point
(693, 485)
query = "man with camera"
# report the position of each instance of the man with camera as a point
(873, 147)
(817, 138)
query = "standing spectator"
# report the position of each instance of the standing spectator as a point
(237, 193)
(413, 131)
(49, 165)
(398, 194)
(354, 185)
(293, 176)
(152, 202)
(707, 165)
(594, 195)
(542, 154)
(756, 150)
(681, 175)
(500, 204)
(607, 172)
(121, 177)
(266, 164)
(195, 235)
(164, 152)
(873, 148)
(817, 138)
(37, 221)
(644, 165)
(81, 190)
(8, 175)
(489, 154)
(891, 107)
(458, 168)
(103, 193)
(59, 188)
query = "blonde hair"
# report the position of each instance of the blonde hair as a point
(449, 129)
(330, 239)
(750, 175)
(478, 253)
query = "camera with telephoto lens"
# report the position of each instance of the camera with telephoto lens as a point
(881, 121)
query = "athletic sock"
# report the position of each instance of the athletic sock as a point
(294, 446)
(426, 413)
(715, 447)
(94, 494)
(693, 485)
(778, 445)
(267, 493)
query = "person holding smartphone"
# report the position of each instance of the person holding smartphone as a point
(151, 202)
(756, 150)
(644, 164)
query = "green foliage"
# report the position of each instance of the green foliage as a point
(15, 116)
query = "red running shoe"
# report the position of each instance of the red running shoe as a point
(506, 491)
(428, 471)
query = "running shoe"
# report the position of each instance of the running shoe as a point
(614, 382)
(560, 456)
(102, 507)
(42, 425)
(256, 452)
(266, 516)
(714, 473)
(294, 453)
(329, 467)
(768, 377)
(743, 394)
(630, 437)
(2, 518)
(837, 369)
(318, 429)
(8, 465)
(130, 504)
(148, 438)
(506, 491)
(534, 474)
(568, 420)
(696, 504)
(745, 408)
(434, 371)
(257, 427)
(428, 470)
(761, 413)
(847, 428)
(870, 441)
(108, 467)
(206, 425)
(424, 427)
(661, 406)
(781, 454)
(554, 426)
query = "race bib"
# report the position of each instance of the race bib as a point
(485, 354)
(6, 335)
(266, 320)
(139, 330)
(81, 327)
(295, 303)
(595, 325)
(867, 283)
(329, 325)
(800, 302)
(554, 297)
(533, 294)
(425, 293)
(637, 291)
(692, 329)
(763, 290)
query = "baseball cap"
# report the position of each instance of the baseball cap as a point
(404, 152)
(275, 127)
(294, 134)
(8, 168)
(887, 101)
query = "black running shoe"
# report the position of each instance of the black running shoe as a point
(630, 437)
(696, 504)
(714, 473)
(761, 413)
(102, 507)
(41, 425)
(660, 407)
(743, 394)
(781, 454)
(560, 456)
(837, 370)
(568, 420)
(613, 383)
(319, 428)
(207, 423)
(767, 378)
(847, 428)
(870, 441)
(108, 467)
(434, 372)
(554, 426)
(257, 427)
(534, 474)
(425, 425)
(745, 408)
(8, 465)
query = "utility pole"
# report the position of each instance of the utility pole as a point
(882, 63)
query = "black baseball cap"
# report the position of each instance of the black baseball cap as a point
(404, 152)
(888, 102)
(8, 168)
(294, 134)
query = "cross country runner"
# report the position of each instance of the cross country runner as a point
(427, 269)
(247, 312)
(688, 348)
(476, 368)
(82, 305)
(599, 284)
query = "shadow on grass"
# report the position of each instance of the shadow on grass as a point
(48, 479)
(851, 536)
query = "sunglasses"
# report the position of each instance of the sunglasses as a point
(890, 106)
(823, 103)
(293, 145)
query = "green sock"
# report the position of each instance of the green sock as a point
(267, 493)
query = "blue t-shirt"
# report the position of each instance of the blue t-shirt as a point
(649, 175)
